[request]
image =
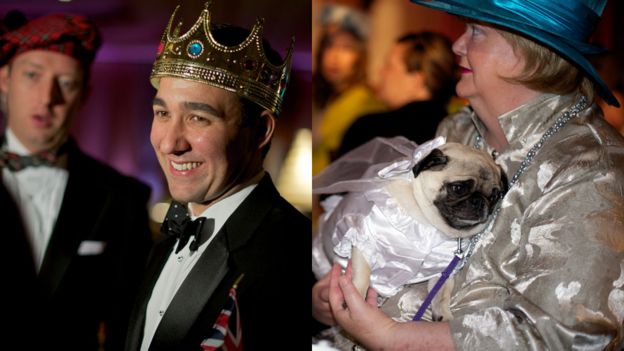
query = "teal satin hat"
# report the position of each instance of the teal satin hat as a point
(562, 25)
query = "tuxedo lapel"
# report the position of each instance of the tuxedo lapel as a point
(156, 262)
(80, 213)
(209, 273)
(243, 223)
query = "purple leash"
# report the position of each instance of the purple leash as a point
(445, 275)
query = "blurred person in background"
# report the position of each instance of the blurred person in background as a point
(340, 89)
(418, 80)
(85, 225)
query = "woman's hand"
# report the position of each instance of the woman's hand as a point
(360, 318)
(321, 311)
(372, 328)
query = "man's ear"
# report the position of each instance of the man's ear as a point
(266, 128)
(4, 79)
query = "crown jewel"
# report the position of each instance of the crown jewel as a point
(242, 69)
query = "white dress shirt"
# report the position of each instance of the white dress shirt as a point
(38, 192)
(179, 265)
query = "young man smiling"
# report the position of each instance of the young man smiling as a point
(230, 239)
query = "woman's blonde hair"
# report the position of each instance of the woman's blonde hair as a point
(545, 70)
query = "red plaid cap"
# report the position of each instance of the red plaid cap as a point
(71, 35)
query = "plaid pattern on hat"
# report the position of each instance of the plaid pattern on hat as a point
(71, 35)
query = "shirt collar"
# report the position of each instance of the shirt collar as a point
(533, 117)
(223, 209)
(524, 126)
(12, 144)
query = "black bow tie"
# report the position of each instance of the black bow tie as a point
(177, 223)
(15, 162)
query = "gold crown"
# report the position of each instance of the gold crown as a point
(242, 69)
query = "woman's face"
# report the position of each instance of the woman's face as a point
(339, 59)
(485, 58)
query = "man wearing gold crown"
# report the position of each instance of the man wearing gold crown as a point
(216, 280)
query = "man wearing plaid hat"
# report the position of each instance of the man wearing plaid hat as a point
(85, 223)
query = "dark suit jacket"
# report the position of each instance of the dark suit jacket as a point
(18, 272)
(416, 121)
(266, 239)
(75, 293)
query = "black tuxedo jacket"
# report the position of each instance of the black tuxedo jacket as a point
(80, 299)
(18, 272)
(266, 239)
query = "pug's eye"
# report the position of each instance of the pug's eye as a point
(459, 189)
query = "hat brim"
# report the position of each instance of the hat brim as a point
(506, 19)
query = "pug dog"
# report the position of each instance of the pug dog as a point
(454, 189)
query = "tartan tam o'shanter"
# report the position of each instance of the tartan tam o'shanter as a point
(72, 35)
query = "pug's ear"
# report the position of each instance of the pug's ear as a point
(435, 161)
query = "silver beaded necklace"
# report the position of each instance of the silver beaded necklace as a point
(557, 125)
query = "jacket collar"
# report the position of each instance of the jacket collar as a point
(524, 126)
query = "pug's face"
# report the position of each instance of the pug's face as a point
(457, 188)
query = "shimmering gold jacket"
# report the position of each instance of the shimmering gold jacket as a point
(550, 273)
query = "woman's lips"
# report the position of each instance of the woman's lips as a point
(465, 70)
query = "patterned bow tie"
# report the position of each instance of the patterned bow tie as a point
(177, 223)
(15, 162)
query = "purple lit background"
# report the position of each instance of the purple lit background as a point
(114, 124)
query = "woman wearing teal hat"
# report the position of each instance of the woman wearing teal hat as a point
(548, 272)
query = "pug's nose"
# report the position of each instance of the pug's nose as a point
(476, 201)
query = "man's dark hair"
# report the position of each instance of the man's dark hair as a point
(432, 54)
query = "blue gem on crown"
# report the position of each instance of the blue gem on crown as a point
(195, 48)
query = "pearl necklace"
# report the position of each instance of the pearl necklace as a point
(557, 125)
